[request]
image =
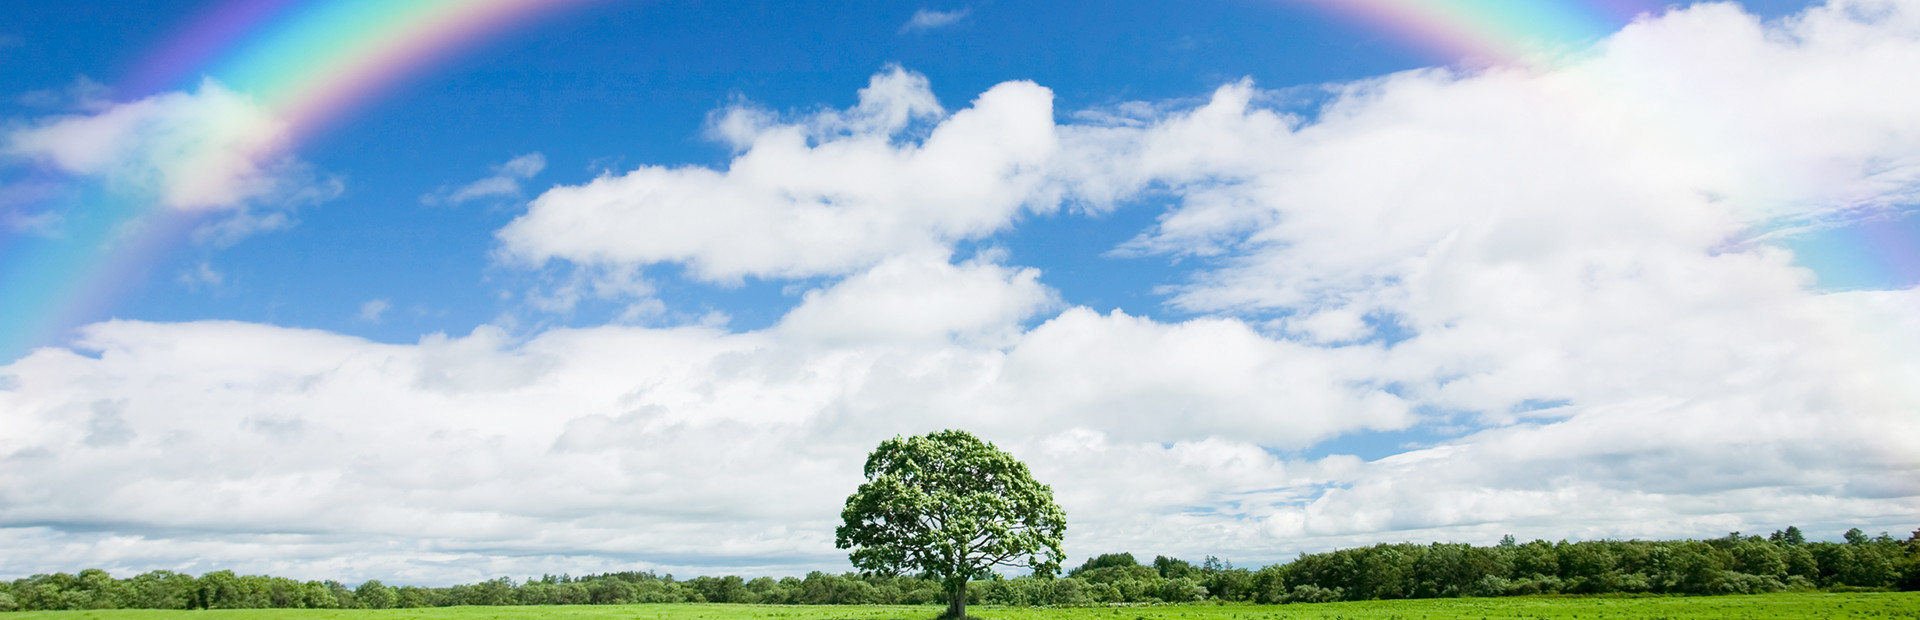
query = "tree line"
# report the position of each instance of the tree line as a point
(1733, 564)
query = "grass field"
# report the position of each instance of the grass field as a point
(1877, 606)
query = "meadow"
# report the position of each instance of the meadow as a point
(1878, 606)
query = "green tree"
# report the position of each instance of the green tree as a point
(98, 590)
(1069, 591)
(316, 595)
(375, 595)
(728, 589)
(1105, 560)
(1182, 590)
(1172, 568)
(220, 590)
(413, 596)
(952, 506)
(1760, 558)
(162, 589)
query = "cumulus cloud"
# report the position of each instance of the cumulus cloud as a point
(1558, 279)
(561, 290)
(505, 182)
(1544, 235)
(918, 298)
(212, 148)
(1657, 134)
(823, 195)
(624, 447)
(929, 19)
(649, 443)
(1591, 236)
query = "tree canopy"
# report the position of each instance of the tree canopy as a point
(952, 506)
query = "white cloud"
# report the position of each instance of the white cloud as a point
(238, 225)
(608, 442)
(921, 298)
(212, 148)
(1655, 144)
(590, 448)
(929, 19)
(1591, 344)
(826, 195)
(1581, 236)
(45, 224)
(208, 150)
(203, 275)
(505, 182)
(374, 310)
(83, 94)
(560, 291)
(1543, 235)
(523, 167)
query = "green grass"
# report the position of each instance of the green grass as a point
(1864, 606)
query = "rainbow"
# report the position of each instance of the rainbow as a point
(309, 60)
(1490, 31)
(306, 62)
(1872, 252)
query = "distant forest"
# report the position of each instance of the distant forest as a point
(1734, 564)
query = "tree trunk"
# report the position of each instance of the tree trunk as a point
(956, 599)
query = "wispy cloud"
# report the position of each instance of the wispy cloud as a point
(201, 276)
(84, 94)
(374, 310)
(504, 183)
(929, 19)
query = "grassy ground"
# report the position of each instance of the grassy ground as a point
(1878, 606)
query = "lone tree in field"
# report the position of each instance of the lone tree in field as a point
(950, 505)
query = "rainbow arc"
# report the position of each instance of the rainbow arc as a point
(307, 62)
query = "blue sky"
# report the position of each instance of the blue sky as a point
(1330, 284)
(619, 84)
